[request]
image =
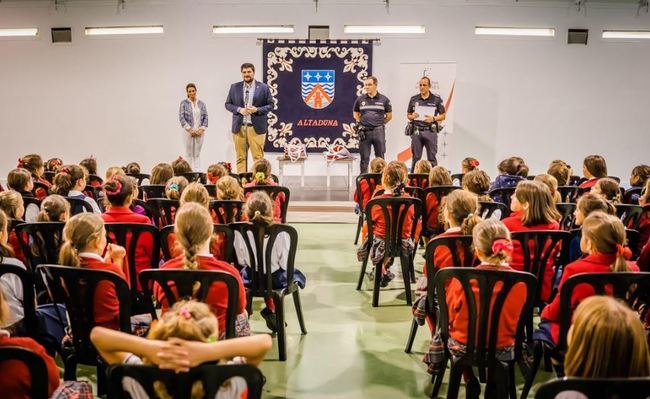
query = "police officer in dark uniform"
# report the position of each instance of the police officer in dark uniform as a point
(372, 111)
(425, 132)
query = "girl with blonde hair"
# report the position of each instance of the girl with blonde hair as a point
(229, 189)
(54, 208)
(175, 186)
(608, 189)
(11, 203)
(161, 173)
(551, 183)
(10, 285)
(195, 192)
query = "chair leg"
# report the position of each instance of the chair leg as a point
(301, 320)
(406, 275)
(249, 302)
(279, 319)
(70, 368)
(364, 265)
(455, 375)
(377, 283)
(359, 226)
(512, 383)
(101, 379)
(411, 338)
(437, 380)
(530, 378)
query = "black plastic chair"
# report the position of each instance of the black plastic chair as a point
(31, 200)
(49, 176)
(212, 190)
(260, 272)
(433, 227)
(75, 287)
(456, 245)
(622, 285)
(40, 242)
(602, 388)
(627, 197)
(150, 191)
(163, 211)
(618, 179)
(179, 284)
(147, 209)
(40, 186)
(273, 192)
(29, 322)
(227, 211)
(128, 235)
(633, 238)
(140, 177)
(502, 195)
(487, 208)
(568, 193)
(179, 385)
(194, 176)
(566, 209)
(372, 180)
(630, 215)
(247, 177)
(94, 179)
(394, 212)
(576, 180)
(420, 180)
(34, 364)
(483, 325)
(459, 177)
(78, 205)
(92, 192)
(218, 229)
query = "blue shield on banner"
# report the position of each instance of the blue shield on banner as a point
(318, 87)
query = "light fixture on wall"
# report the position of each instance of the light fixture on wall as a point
(19, 32)
(251, 29)
(124, 30)
(626, 34)
(511, 31)
(385, 29)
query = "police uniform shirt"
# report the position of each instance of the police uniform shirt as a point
(431, 101)
(373, 109)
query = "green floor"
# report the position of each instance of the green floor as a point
(352, 350)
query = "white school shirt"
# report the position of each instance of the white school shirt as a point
(12, 289)
(196, 114)
(89, 200)
(279, 254)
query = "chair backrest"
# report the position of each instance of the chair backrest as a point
(40, 186)
(576, 180)
(34, 363)
(538, 246)
(92, 192)
(194, 176)
(432, 227)
(31, 200)
(372, 180)
(502, 195)
(487, 208)
(140, 177)
(75, 287)
(29, 305)
(178, 284)
(603, 388)
(179, 385)
(630, 215)
(227, 211)
(94, 179)
(247, 177)
(260, 260)
(460, 247)
(149, 191)
(483, 319)
(163, 211)
(627, 197)
(212, 190)
(78, 205)
(418, 180)
(40, 242)
(415, 192)
(622, 285)
(568, 193)
(566, 209)
(273, 192)
(459, 177)
(147, 209)
(633, 237)
(49, 176)
(218, 229)
(394, 212)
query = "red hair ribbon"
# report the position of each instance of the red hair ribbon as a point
(64, 170)
(474, 163)
(20, 163)
(180, 158)
(212, 178)
(502, 244)
(118, 188)
(625, 252)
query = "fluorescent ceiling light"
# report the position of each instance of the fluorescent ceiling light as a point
(501, 31)
(18, 32)
(626, 34)
(124, 30)
(244, 29)
(404, 29)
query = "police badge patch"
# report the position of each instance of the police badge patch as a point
(317, 87)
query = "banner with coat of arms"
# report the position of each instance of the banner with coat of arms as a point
(314, 85)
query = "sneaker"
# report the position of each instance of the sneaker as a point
(269, 317)
(387, 278)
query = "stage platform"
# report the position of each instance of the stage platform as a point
(316, 203)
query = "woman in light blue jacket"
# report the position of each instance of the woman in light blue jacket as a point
(193, 116)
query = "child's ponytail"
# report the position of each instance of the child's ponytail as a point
(193, 227)
(607, 235)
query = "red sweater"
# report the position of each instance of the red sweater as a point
(217, 298)
(379, 224)
(144, 246)
(432, 206)
(442, 256)
(643, 263)
(15, 379)
(589, 183)
(514, 224)
(459, 315)
(594, 263)
(15, 246)
(107, 306)
(277, 203)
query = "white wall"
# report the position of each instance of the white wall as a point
(117, 98)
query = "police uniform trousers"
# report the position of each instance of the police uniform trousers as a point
(375, 138)
(428, 140)
(244, 139)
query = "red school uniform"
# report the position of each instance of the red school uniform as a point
(40, 193)
(217, 298)
(15, 378)
(644, 229)
(514, 224)
(442, 256)
(379, 224)
(643, 262)
(277, 203)
(459, 315)
(107, 306)
(144, 246)
(589, 183)
(594, 263)
(15, 246)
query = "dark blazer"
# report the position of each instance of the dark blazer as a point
(262, 99)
